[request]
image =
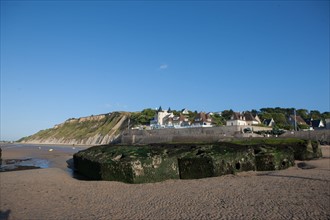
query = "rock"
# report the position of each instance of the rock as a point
(303, 165)
(117, 158)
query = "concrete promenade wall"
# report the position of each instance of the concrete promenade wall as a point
(319, 135)
(212, 134)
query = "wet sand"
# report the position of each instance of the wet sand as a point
(52, 193)
(56, 155)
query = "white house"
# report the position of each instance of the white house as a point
(176, 121)
(185, 111)
(256, 117)
(202, 120)
(269, 122)
(236, 119)
(315, 123)
(250, 119)
(244, 118)
(161, 119)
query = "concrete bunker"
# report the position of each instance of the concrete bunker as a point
(158, 162)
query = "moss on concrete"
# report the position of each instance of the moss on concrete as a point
(274, 158)
(216, 160)
(158, 162)
(130, 164)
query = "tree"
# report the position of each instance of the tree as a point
(226, 114)
(144, 117)
(254, 112)
(192, 115)
(218, 119)
(176, 113)
(315, 114)
(303, 113)
(265, 115)
(325, 115)
(268, 110)
(280, 120)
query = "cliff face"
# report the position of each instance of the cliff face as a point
(92, 130)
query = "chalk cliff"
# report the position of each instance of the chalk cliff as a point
(92, 130)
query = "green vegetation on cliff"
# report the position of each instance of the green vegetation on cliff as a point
(94, 127)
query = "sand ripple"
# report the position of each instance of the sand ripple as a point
(52, 193)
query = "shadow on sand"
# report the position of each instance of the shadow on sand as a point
(73, 173)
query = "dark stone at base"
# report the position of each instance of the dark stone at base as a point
(17, 168)
(22, 164)
(303, 165)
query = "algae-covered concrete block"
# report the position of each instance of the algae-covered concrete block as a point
(196, 167)
(274, 158)
(158, 162)
(306, 150)
(232, 158)
(265, 162)
(303, 149)
(141, 170)
(88, 167)
(216, 160)
(130, 164)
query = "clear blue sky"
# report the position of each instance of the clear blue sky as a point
(63, 59)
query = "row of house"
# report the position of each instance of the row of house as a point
(247, 118)
(166, 119)
(296, 120)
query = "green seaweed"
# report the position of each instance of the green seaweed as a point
(158, 162)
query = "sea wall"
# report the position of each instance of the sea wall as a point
(212, 134)
(186, 135)
(323, 136)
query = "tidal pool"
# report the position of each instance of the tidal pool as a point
(23, 164)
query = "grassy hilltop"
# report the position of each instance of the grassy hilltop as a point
(99, 129)
(91, 130)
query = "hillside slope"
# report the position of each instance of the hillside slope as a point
(92, 130)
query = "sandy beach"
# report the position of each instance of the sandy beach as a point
(52, 193)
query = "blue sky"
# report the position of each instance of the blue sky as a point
(63, 59)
